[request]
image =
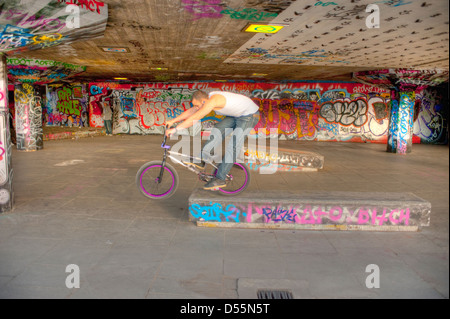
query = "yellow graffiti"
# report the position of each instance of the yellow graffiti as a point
(269, 157)
(25, 94)
(51, 37)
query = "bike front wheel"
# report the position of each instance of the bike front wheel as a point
(149, 183)
(238, 180)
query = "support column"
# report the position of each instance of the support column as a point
(6, 171)
(401, 122)
(29, 131)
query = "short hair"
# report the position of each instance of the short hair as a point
(198, 95)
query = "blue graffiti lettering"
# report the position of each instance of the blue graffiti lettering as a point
(173, 113)
(95, 90)
(215, 212)
(279, 215)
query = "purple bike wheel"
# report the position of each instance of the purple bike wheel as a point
(149, 183)
(238, 181)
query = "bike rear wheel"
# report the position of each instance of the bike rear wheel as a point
(149, 183)
(238, 180)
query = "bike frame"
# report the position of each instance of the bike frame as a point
(171, 155)
(233, 184)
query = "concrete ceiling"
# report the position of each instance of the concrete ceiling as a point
(191, 40)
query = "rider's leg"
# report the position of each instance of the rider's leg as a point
(243, 127)
(215, 140)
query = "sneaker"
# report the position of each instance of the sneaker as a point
(200, 165)
(215, 184)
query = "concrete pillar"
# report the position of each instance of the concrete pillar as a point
(29, 131)
(401, 122)
(6, 171)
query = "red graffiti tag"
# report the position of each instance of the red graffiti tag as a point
(91, 5)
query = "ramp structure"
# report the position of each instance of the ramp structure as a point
(335, 210)
(285, 160)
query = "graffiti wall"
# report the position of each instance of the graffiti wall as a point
(312, 111)
(67, 105)
(141, 109)
(431, 115)
(303, 111)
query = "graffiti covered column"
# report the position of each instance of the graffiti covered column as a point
(401, 122)
(29, 132)
(403, 83)
(6, 172)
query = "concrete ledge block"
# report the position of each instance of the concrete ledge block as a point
(287, 160)
(311, 210)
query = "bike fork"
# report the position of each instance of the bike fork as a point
(163, 165)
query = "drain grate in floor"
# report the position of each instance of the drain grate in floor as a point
(274, 294)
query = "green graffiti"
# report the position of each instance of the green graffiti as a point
(66, 104)
(249, 14)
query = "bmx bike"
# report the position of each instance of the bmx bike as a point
(159, 179)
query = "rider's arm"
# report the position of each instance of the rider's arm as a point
(207, 107)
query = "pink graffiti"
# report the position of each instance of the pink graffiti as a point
(200, 10)
(2, 151)
(309, 214)
(29, 21)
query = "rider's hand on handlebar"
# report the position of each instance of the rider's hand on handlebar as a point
(170, 132)
(169, 124)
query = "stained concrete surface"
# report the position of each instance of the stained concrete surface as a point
(77, 203)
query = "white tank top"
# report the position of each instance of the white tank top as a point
(236, 104)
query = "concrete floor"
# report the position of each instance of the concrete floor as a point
(77, 203)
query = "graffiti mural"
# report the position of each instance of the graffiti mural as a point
(258, 11)
(349, 113)
(66, 105)
(431, 116)
(319, 111)
(416, 105)
(294, 119)
(47, 23)
(29, 132)
(406, 114)
(303, 214)
(141, 109)
(35, 71)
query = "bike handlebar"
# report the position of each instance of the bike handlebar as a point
(166, 127)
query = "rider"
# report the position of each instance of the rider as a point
(240, 113)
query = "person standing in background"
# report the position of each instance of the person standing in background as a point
(107, 117)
